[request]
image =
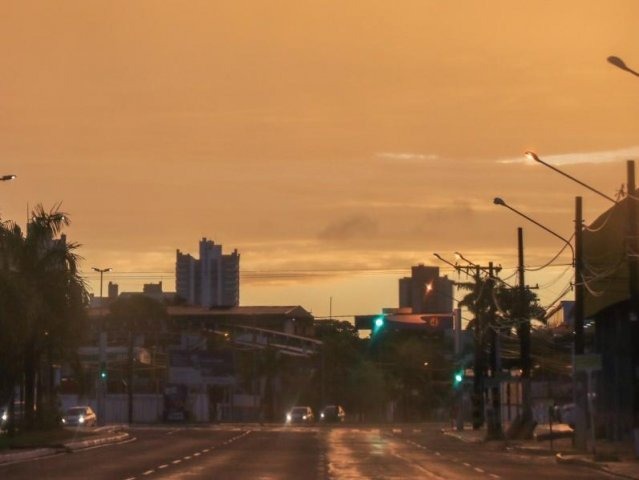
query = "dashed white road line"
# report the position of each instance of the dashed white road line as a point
(148, 472)
(479, 470)
(175, 462)
(163, 466)
(494, 476)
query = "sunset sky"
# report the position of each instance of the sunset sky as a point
(333, 143)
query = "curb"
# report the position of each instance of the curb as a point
(584, 462)
(461, 438)
(29, 454)
(73, 446)
(33, 453)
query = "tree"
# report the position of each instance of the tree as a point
(42, 301)
(341, 350)
(130, 317)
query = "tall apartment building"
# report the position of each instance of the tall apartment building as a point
(213, 280)
(425, 291)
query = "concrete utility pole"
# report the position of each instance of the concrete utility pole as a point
(579, 378)
(633, 285)
(479, 369)
(523, 330)
(495, 431)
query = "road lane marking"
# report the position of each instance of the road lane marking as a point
(479, 470)
(206, 450)
(148, 472)
(175, 462)
(197, 454)
(494, 476)
(162, 466)
(418, 466)
(188, 457)
(466, 464)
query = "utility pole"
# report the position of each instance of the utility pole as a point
(579, 380)
(459, 420)
(633, 285)
(495, 431)
(479, 362)
(523, 329)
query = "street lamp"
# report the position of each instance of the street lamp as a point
(633, 264)
(619, 63)
(533, 156)
(577, 262)
(101, 271)
(502, 202)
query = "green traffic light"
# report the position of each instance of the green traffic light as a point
(103, 375)
(458, 377)
(379, 322)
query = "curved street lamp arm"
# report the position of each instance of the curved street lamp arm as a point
(533, 156)
(500, 201)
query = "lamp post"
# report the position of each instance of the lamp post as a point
(101, 271)
(578, 321)
(632, 245)
(102, 341)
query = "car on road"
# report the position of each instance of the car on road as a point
(300, 414)
(80, 416)
(566, 414)
(332, 413)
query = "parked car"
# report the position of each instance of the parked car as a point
(332, 413)
(300, 414)
(81, 416)
(566, 414)
(18, 412)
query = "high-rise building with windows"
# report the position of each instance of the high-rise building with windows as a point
(213, 280)
(425, 291)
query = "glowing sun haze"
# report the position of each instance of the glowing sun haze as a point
(333, 143)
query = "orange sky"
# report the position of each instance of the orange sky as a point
(314, 136)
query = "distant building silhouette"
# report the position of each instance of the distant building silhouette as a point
(425, 291)
(213, 280)
(113, 291)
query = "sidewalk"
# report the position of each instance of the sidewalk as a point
(616, 459)
(23, 454)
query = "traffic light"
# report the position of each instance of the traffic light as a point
(378, 323)
(458, 378)
(103, 372)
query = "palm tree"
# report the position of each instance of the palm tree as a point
(43, 299)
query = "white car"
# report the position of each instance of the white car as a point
(82, 416)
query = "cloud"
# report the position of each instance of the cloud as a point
(407, 157)
(356, 226)
(606, 156)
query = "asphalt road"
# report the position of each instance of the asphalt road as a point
(292, 453)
